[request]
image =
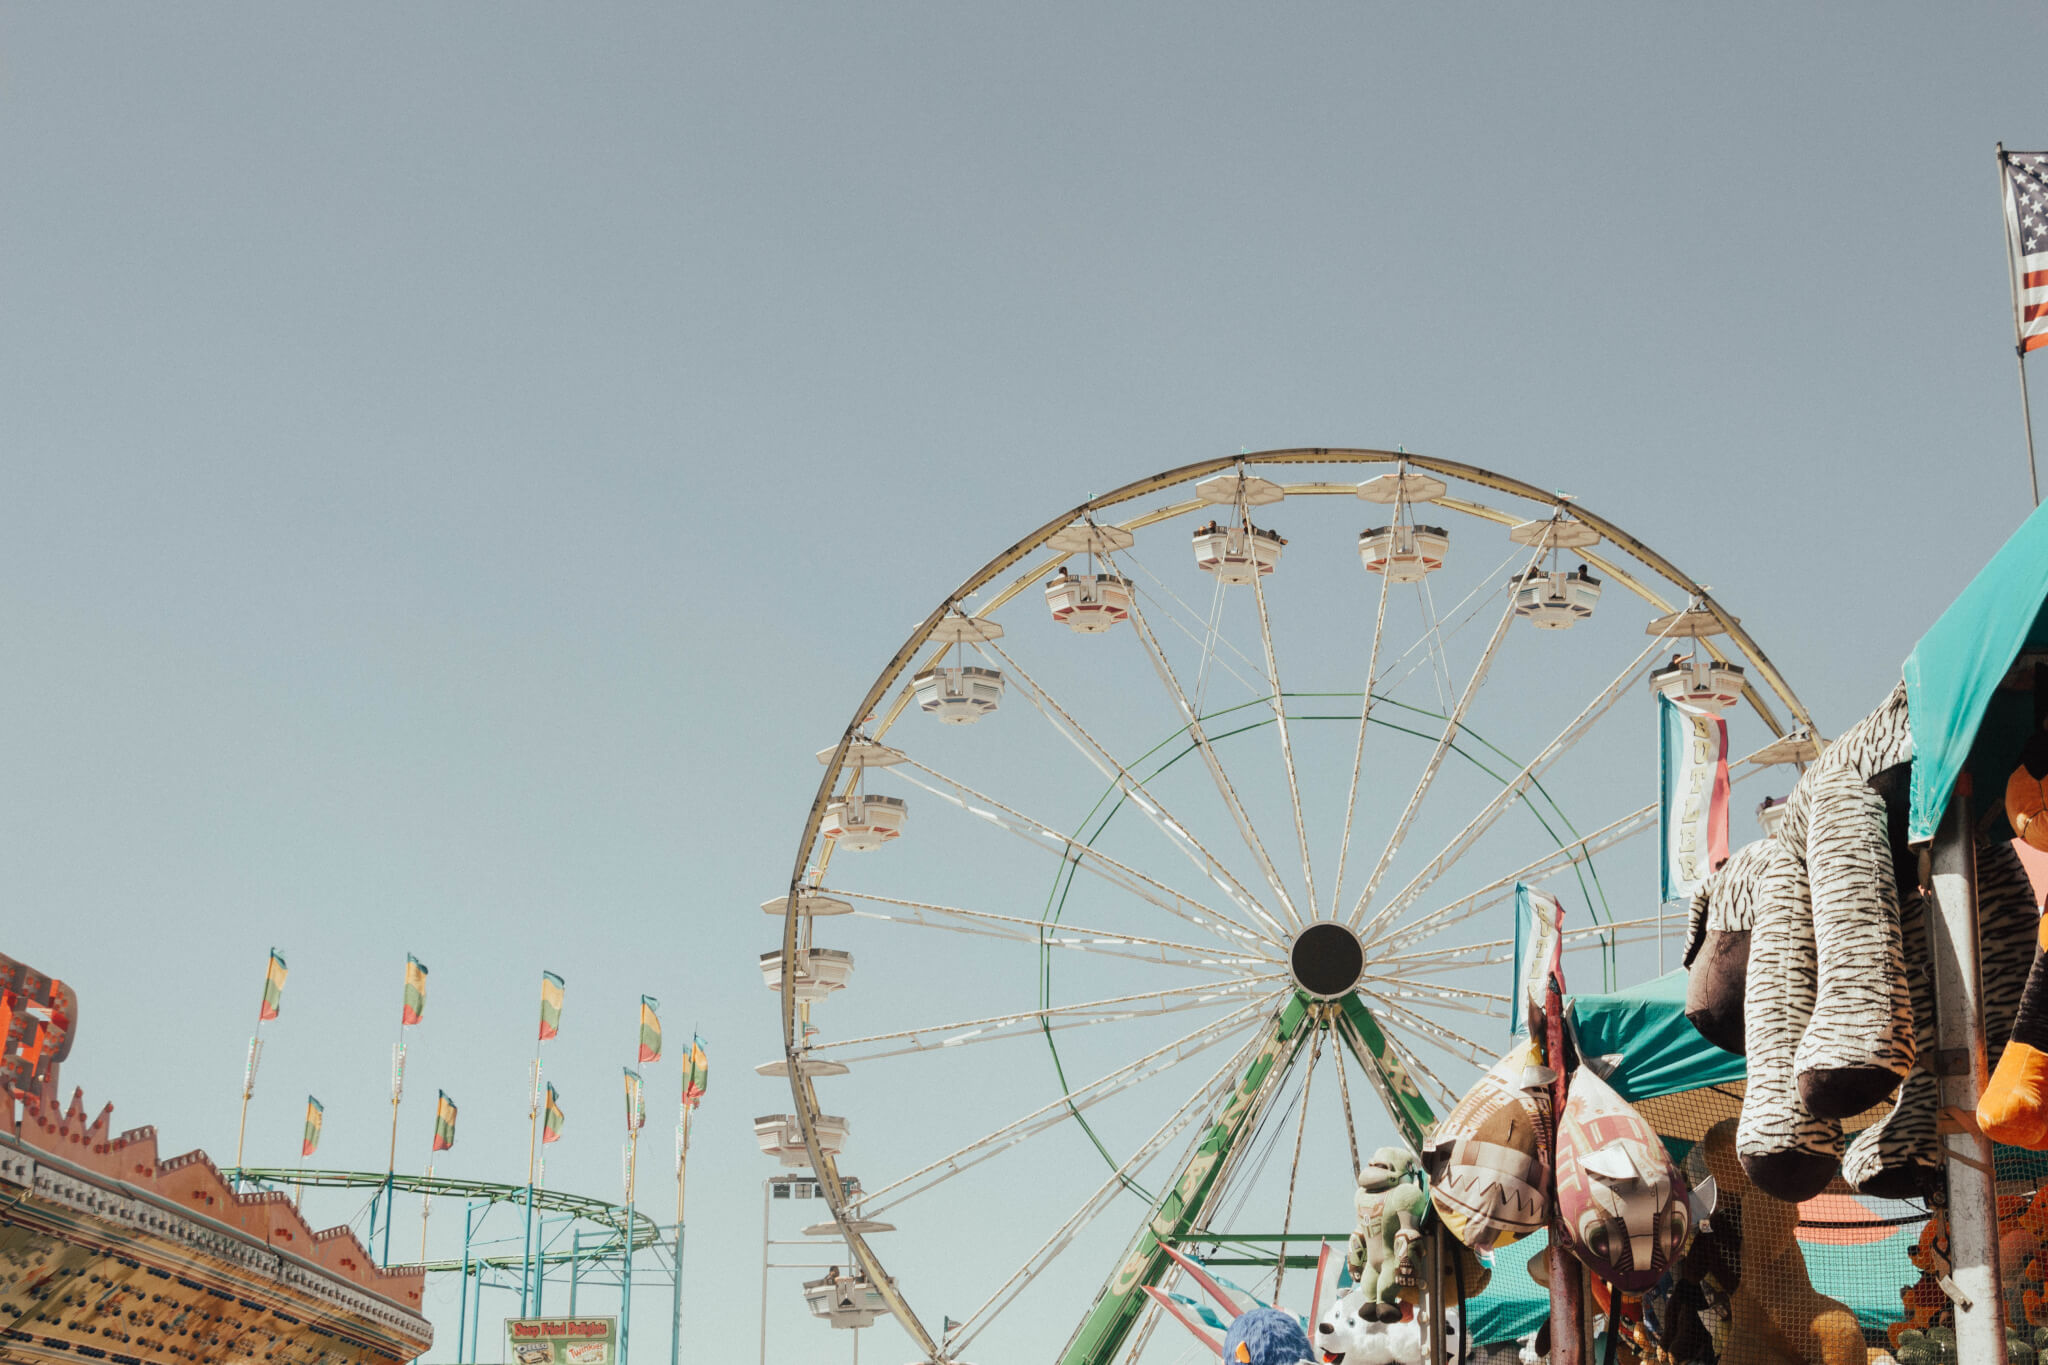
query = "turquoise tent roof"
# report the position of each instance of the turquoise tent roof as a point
(1952, 675)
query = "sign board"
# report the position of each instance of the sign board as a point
(561, 1341)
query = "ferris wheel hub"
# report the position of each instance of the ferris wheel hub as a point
(1326, 959)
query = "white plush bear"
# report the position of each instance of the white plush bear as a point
(1342, 1337)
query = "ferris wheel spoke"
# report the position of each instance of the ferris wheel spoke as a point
(1157, 1062)
(1372, 666)
(1056, 934)
(1450, 1040)
(1437, 638)
(1350, 1122)
(1308, 875)
(1414, 1066)
(1043, 836)
(1224, 789)
(1026, 1023)
(1135, 791)
(1308, 1077)
(1579, 850)
(1436, 995)
(1212, 634)
(1504, 800)
(1197, 1106)
(1436, 757)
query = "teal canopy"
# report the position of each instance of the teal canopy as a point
(1952, 675)
(1657, 1050)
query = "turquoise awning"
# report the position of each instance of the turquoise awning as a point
(1952, 675)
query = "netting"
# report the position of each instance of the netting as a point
(1840, 1277)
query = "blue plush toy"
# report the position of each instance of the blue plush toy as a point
(1256, 1336)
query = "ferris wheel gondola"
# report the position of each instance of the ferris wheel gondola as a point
(1320, 855)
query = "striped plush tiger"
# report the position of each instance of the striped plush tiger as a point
(1859, 1042)
(1786, 1150)
(2007, 918)
(1899, 1156)
(1718, 926)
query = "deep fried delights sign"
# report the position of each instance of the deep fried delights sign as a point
(561, 1341)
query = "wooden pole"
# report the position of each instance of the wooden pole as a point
(248, 1089)
(675, 1337)
(532, 1133)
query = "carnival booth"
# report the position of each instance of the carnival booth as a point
(1869, 1120)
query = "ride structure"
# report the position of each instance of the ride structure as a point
(1277, 953)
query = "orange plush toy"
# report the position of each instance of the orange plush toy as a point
(2014, 1107)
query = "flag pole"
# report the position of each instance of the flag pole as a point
(248, 1089)
(683, 1165)
(391, 1164)
(426, 1203)
(2019, 339)
(626, 1274)
(532, 1131)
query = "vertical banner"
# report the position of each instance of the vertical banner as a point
(550, 1005)
(650, 1029)
(444, 1123)
(552, 1118)
(696, 1074)
(415, 992)
(273, 988)
(1539, 952)
(1693, 820)
(316, 1115)
(636, 1102)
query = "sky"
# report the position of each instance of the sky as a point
(461, 463)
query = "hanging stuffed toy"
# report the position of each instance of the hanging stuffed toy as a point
(1391, 1201)
(2014, 1107)
(1788, 1151)
(1858, 1043)
(1488, 1179)
(1255, 1336)
(1625, 1209)
(1718, 925)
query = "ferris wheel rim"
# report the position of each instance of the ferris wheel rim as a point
(1697, 599)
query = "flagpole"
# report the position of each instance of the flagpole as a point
(532, 1130)
(626, 1277)
(248, 1089)
(2019, 338)
(426, 1203)
(391, 1164)
(675, 1339)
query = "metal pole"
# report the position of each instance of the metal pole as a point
(764, 1268)
(575, 1268)
(2019, 337)
(462, 1297)
(391, 1166)
(248, 1089)
(626, 1276)
(675, 1338)
(1961, 1063)
(532, 1125)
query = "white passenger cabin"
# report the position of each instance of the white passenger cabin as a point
(861, 821)
(819, 972)
(1405, 554)
(959, 695)
(845, 1298)
(1236, 554)
(1088, 603)
(1551, 600)
(1700, 681)
(780, 1138)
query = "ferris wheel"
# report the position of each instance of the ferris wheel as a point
(1178, 850)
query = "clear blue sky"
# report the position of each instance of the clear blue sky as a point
(461, 462)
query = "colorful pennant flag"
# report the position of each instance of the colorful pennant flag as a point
(415, 990)
(1539, 955)
(1693, 809)
(636, 1102)
(444, 1123)
(553, 1119)
(550, 1005)
(696, 1074)
(273, 988)
(316, 1114)
(650, 1029)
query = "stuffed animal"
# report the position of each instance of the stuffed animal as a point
(1787, 1150)
(1899, 1156)
(1625, 1209)
(1256, 1336)
(1858, 1043)
(2014, 1108)
(1718, 925)
(1487, 1179)
(1344, 1337)
(1776, 1317)
(1391, 1200)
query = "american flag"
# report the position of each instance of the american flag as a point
(2026, 227)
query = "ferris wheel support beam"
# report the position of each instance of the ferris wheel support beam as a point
(1122, 1300)
(1308, 875)
(1368, 1042)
